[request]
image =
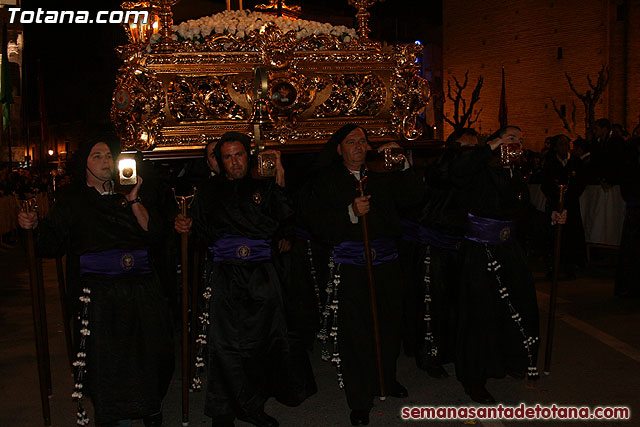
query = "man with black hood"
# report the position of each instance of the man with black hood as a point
(125, 356)
(498, 312)
(243, 221)
(334, 214)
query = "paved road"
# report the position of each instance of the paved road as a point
(596, 361)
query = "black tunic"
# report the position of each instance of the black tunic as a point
(249, 355)
(573, 250)
(628, 272)
(442, 212)
(489, 342)
(332, 193)
(130, 348)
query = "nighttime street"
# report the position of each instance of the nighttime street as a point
(433, 200)
(596, 360)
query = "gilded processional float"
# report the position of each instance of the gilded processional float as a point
(287, 82)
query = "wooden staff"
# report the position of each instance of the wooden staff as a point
(44, 327)
(372, 289)
(62, 288)
(554, 285)
(183, 203)
(39, 318)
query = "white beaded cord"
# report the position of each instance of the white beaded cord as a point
(428, 337)
(203, 334)
(331, 310)
(314, 279)
(80, 364)
(494, 266)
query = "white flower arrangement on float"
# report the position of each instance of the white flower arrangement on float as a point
(239, 23)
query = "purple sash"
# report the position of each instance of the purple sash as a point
(115, 262)
(410, 230)
(240, 248)
(430, 236)
(382, 250)
(489, 231)
(414, 232)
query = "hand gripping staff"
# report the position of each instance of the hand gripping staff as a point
(184, 202)
(39, 316)
(554, 286)
(372, 288)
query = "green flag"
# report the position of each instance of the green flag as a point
(6, 89)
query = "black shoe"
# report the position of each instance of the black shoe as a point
(260, 419)
(154, 420)
(398, 390)
(436, 371)
(479, 394)
(359, 417)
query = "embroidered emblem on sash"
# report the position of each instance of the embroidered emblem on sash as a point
(127, 262)
(505, 233)
(243, 252)
(257, 198)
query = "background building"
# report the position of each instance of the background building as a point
(537, 41)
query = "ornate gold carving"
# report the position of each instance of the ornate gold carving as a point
(137, 110)
(277, 7)
(353, 95)
(411, 93)
(363, 17)
(202, 98)
(190, 92)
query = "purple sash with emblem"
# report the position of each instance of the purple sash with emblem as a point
(414, 232)
(115, 262)
(410, 230)
(382, 250)
(240, 248)
(489, 231)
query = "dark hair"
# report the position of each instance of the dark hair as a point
(231, 137)
(556, 138)
(206, 148)
(500, 132)
(603, 123)
(457, 134)
(329, 154)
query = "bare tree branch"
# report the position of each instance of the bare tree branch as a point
(461, 111)
(563, 117)
(475, 119)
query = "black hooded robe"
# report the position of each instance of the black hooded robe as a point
(489, 343)
(130, 353)
(333, 191)
(249, 357)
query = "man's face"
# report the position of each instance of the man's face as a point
(212, 162)
(467, 140)
(600, 133)
(100, 162)
(353, 149)
(235, 159)
(512, 136)
(562, 147)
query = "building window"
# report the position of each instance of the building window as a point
(559, 53)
